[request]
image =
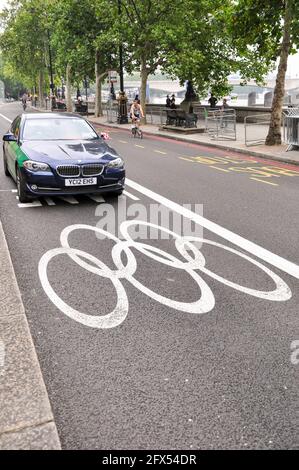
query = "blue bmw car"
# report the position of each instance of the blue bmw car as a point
(60, 154)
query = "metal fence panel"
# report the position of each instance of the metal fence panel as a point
(256, 128)
(291, 127)
(221, 124)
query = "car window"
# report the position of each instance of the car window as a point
(15, 127)
(58, 129)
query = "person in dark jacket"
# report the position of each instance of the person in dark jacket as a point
(213, 101)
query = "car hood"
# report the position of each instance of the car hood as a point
(70, 151)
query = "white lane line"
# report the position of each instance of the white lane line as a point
(275, 260)
(7, 190)
(69, 199)
(95, 198)
(14, 190)
(6, 118)
(135, 198)
(49, 201)
(266, 182)
(28, 205)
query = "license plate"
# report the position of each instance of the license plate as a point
(80, 181)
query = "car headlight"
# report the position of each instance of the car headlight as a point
(36, 166)
(117, 163)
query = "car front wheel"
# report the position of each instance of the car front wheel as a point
(21, 185)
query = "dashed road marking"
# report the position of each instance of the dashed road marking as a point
(220, 169)
(159, 151)
(140, 146)
(95, 197)
(27, 205)
(50, 201)
(69, 199)
(266, 182)
(123, 141)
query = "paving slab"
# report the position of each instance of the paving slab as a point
(42, 437)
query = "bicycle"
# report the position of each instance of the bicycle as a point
(136, 131)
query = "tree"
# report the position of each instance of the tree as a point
(83, 45)
(25, 41)
(271, 29)
(147, 31)
(204, 50)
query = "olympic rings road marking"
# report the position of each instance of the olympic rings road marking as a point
(192, 265)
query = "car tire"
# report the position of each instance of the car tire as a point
(6, 172)
(21, 185)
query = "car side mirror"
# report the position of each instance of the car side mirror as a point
(9, 137)
(105, 136)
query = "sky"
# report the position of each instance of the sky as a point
(293, 61)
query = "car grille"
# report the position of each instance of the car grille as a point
(68, 170)
(92, 169)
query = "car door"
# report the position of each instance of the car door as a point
(11, 148)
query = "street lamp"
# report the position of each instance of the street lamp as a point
(51, 71)
(122, 104)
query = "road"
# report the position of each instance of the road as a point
(168, 345)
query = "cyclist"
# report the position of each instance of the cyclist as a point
(24, 100)
(135, 113)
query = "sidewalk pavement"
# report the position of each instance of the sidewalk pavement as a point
(26, 419)
(277, 152)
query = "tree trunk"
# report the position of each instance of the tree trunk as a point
(274, 133)
(41, 88)
(98, 98)
(69, 104)
(144, 76)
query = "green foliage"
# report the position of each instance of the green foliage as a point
(199, 40)
(79, 30)
(24, 42)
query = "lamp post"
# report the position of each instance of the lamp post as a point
(52, 86)
(85, 82)
(122, 103)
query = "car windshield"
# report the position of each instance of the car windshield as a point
(58, 129)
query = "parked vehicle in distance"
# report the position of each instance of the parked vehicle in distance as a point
(50, 154)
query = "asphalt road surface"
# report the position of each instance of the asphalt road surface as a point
(160, 342)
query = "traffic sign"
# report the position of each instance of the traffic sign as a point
(112, 76)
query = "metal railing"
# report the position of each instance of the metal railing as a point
(256, 128)
(221, 124)
(291, 127)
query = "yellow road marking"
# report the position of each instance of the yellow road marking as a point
(159, 151)
(123, 141)
(266, 182)
(140, 146)
(220, 169)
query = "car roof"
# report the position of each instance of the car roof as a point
(29, 116)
